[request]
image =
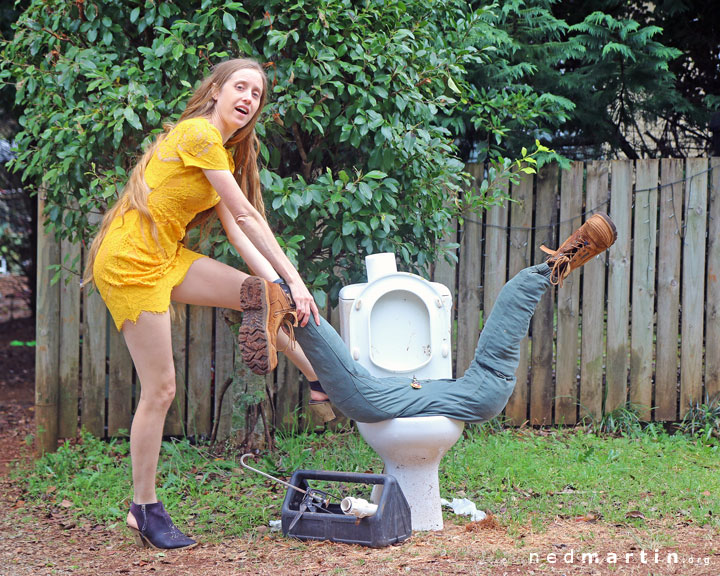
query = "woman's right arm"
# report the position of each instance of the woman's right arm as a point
(257, 230)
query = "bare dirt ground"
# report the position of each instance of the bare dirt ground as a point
(39, 542)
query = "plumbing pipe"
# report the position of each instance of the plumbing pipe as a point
(358, 507)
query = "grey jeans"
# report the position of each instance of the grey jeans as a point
(479, 395)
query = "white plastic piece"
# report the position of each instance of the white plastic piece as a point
(275, 525)
(379, 265)
(358, 507)
(465, 507)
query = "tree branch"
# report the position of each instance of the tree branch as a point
(307, 166)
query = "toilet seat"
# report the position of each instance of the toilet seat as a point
(397, 323)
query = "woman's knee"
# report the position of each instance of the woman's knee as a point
(160, 393)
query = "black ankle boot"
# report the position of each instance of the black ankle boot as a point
(156, 529)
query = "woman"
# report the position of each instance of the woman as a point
(206, 163)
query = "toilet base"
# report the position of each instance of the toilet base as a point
(411, 449)
(421, 488)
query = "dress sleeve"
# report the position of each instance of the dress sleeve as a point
(200, 144)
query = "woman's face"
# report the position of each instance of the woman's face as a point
(237, 101)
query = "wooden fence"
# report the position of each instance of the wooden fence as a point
(639, 323)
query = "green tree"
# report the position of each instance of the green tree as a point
(18, 218)
(587, 77)
(357, 153)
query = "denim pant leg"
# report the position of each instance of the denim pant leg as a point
(348, 384)
(479, 395)
(492, 371)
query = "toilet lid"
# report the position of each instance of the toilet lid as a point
(394, 323)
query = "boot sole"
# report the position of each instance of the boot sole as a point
(609, 223)
(252, 336)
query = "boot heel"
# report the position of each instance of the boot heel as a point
(322, 410)
(139, 540)
(158, 530)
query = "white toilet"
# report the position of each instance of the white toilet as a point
(399, 324)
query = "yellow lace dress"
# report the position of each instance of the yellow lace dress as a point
(131, 273)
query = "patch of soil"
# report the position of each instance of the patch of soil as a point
(49, 541)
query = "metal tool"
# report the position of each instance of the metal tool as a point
(313, 500)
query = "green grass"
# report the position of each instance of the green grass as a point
(521, 476)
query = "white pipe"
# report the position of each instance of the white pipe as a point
(358, 507)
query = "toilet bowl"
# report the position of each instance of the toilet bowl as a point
(399, 324)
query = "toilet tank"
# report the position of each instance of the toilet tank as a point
(398, 324)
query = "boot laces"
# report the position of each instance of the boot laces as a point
(287, 325)
(561, 261)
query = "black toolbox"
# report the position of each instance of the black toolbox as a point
(389, 525)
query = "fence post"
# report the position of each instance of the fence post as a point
(47, 338)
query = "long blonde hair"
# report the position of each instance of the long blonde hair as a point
(246, 147)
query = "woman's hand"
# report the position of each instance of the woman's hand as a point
(304, 303)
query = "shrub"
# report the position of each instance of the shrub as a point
(356, 158)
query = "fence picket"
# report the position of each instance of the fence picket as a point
(693, 279)
(69, 367)
(593, 304)
(568, 305)
(496, 221)
(468, 297)
(643, 286)
(224, 349)
(519, 257)
(541, 387)
(668, 287)
(175, 420)
(93, 364)
(47, 339)
(120, 387)
(199, 401)
(619, 285)
(712, 321)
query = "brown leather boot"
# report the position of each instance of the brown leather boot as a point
(595, 236)
(266, 308)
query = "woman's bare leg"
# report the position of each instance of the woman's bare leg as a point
(150, 345)
(212, 283)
